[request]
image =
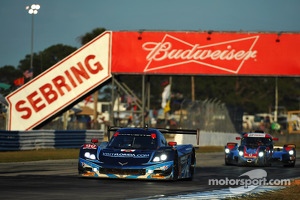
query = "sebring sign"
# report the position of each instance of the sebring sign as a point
(61, 85)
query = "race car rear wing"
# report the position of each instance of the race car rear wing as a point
(179, 131)
(163, 131)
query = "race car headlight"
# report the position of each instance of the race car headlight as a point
(162, 157)
(291, 152)
(89, 155)
(227, 150)
(241, 153)
(261, 154)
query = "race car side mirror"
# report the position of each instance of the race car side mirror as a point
(172, 144)
(238, 138)
(275, 139)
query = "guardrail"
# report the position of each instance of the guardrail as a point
(45, 139)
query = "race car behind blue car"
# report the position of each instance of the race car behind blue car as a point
(257, 149)
(138, 153)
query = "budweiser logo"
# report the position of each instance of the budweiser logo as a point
(227, 56)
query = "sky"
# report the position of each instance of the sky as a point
(64, 21)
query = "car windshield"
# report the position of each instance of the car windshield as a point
(131, 141)
(256, 141)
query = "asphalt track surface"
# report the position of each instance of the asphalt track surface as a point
(58, 180)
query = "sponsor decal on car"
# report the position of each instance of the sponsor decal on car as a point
(89, 146)
(127, 155)
(256, 135)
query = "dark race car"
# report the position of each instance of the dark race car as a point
(257, 149)
(138, 153)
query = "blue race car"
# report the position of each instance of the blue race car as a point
(257, 149)
(138, 153)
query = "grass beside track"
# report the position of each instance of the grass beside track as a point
(36, 155)
(57, 154)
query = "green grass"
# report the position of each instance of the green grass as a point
(57, 154)
(35, 155)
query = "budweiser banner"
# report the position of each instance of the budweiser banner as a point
(206, 53)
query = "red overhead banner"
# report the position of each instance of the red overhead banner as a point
(206, 53)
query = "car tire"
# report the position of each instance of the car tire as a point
(226, 162)
(290, 165)
(265, 161)
(175, 167)
(192, 166)
(239, 163)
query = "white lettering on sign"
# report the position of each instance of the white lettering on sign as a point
(61, 85)
(172, 51)
(58, 87)
(162, 51)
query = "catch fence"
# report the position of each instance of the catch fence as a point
(208, 115)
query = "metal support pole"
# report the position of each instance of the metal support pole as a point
(143, 101)
(32, 10)
(276, 100)
(112, 102)
(148, 100)
(32, 36)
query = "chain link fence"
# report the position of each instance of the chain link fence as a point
(208, 115)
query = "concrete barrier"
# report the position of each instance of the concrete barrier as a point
(207, 138)
(220, 139)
